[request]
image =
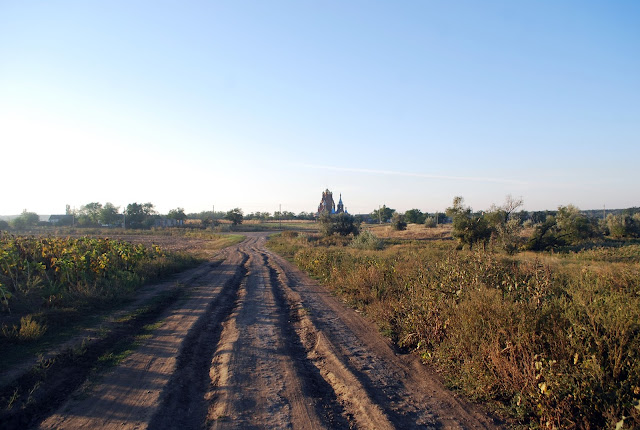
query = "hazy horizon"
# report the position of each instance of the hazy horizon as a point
(262, 105)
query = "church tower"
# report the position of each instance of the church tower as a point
(340, 208)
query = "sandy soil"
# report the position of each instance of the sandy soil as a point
(258, 344)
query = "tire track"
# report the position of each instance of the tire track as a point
(256, 344)
(182, 403)
(320, 353)
(128, 396)
(255, 382)
(399, 385)
(312, 384)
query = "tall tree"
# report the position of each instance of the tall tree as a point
(90, 214)
(139, 215)
(109, 215)
(177, 214)
(414, 216)
(235, 215)
(25, 220)
(382, 214)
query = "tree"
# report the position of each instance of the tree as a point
(545, 236)
(398, 222)
(414, 216)
(4, 225)
(177, 214)
(506, 225)
(383, 214)
(623, 225)
(305, 215)
(109, 214)
(342, 224)
(235, 216)
(139, 215)
(573, 226)
(89, 214)
(468, 228)
(25, 220)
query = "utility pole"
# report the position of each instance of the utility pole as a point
(604, 212)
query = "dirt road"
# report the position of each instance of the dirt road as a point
(257, 344)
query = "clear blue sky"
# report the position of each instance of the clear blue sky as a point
(254, 104)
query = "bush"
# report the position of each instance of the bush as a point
(620, 226)
(573, 226)
(28, 331)
(430, 222)
(343, 224)
(398, 222)
(367, 240)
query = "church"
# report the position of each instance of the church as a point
(327, 205)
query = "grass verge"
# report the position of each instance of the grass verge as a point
(552, 340)
(47, 385)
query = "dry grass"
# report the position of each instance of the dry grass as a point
(552, 339)
(413, 232)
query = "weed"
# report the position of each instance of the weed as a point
(554, 338)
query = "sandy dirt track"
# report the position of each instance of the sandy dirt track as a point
(257, 344)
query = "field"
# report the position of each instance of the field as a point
(242, 340)
(211, 324)
(552, 340)
(52, 286)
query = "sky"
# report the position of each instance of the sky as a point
(265, 104)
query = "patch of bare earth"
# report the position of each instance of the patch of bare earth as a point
(257, 344)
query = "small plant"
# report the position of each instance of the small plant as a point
(29, 330)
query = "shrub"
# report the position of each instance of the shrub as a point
(398, 222)
(342, 224)
(367, 240)
(620, 226)
(430, 222)
(28, 331)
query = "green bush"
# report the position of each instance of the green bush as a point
(398, 222)
(367, 240)
(343, 224)
(430, 222)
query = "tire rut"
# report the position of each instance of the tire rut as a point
(327, 405)
(182, 404)
(409, 396)
(346, 386)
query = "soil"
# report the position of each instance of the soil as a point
(255, 343)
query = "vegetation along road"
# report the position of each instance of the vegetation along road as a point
(258, 344)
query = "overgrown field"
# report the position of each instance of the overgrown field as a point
(553, 339)
(49, 282)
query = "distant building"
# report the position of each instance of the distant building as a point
(327, 205)
(61, 219)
